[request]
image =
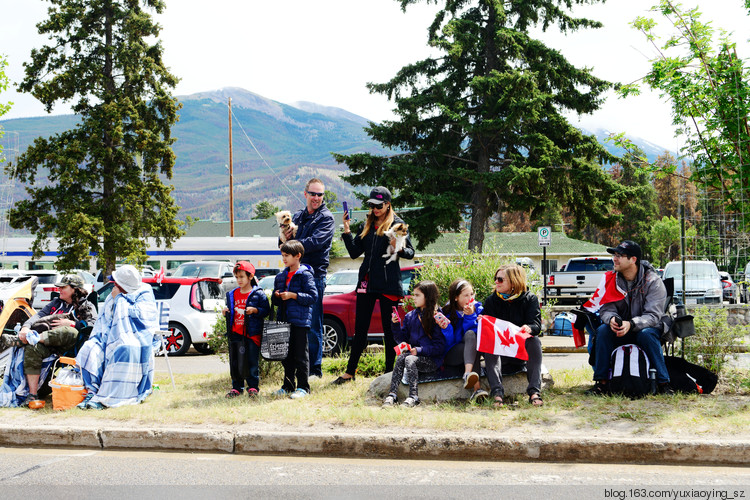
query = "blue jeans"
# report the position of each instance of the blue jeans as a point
(315, 335)
(648, 339)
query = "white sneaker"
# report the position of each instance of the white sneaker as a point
(298, 393)
(390, 400)
(410, 402)
(470, 380)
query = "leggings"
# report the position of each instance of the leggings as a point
(363, 315)
(412, 365)
(465, 352)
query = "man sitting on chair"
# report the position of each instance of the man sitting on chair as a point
(44, 334)
(634, 317)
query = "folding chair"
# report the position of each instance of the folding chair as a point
(162, 332)
(680, 324)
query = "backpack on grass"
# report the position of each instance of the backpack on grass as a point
(629, 367)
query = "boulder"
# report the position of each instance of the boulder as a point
(453, 389)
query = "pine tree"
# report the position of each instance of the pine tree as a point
(97, 188)
(484, 123)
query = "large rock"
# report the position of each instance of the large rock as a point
(453, 389)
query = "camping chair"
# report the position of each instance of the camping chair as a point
(679, 325)
(162, 332)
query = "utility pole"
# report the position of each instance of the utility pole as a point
(231, 175)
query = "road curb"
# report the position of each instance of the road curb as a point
(370, 445)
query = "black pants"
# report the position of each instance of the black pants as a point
(364, 308)
(243, 362)
(297, 361)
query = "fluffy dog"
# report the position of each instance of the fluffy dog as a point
(397, 232)
(284, 218)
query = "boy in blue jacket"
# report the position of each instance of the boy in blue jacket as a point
(294, 293)
(246, 307)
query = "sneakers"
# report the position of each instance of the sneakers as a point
(33, 402)
(480, 396)
(599, 389)
(252, 392)
(280, 392)
(298, 393)
(84, 404)
(342, 380)
(470, 380)
(410, 402)
(233, 393)
(390, 400)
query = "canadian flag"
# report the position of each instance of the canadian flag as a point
(160, 275)
(607, 291)
(497, 336)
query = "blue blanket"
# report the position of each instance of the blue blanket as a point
(117, 362)
(15, 389)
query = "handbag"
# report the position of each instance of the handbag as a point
(274, 344)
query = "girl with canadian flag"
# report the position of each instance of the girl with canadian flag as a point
(508, 329)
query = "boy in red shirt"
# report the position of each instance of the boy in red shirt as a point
(246, 307)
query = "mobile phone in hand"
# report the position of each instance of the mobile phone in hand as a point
(346, 211)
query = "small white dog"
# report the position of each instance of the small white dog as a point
(284, 218)
(397, 232)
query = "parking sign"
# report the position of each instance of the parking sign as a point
(545, 236)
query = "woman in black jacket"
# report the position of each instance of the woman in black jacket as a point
(377, 280)
(511, 301)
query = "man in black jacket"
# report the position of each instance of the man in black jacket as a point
(315, 228)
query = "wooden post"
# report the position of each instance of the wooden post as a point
(231, 175)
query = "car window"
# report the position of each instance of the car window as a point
(579, 266)
(267, 282)
(164, 291)
(343, 279)
(47, 279)
(197, 270)
(104, 292)
(209, 290)
(406, 276)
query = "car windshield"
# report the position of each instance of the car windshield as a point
(197, 270)
(579, 266)
(267, 282)
(342, 279)
(692, 269)
(209, 290)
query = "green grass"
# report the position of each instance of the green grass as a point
(199, 401)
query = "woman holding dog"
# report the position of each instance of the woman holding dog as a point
(378, 280)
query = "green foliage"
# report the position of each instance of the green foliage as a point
(371, 364)
(664, 240)
(714, 341)
(478, 269)
(265, 210)
(3, 107)
(486, 122)
(104, 189)
(331, 200)
(708, 85)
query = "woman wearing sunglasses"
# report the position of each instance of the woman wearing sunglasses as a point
(511, 301)
(377, 280)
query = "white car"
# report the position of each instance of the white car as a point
(341, 282)
(194, 304)
(223, 270)
(46, 285)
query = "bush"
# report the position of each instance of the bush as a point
(477, 268)
(714, 342)
(371, 364)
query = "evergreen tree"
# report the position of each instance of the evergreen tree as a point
(484, 123)
(639, 213)
(97, 188)
(265, 209)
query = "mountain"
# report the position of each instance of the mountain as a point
(277, 147)
(652, 151)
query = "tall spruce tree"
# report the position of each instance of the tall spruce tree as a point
(484, 123)
(97, 187)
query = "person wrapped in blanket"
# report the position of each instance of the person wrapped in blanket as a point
(117, 361)
(49, 333)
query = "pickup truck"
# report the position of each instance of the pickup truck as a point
(579, 280)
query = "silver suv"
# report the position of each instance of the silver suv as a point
(702, 281)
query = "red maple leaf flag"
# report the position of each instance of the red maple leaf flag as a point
(160, 275)
(606, 292)
(497, 336)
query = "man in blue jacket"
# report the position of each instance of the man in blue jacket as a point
(315, 228)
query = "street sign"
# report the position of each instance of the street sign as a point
(545, 236)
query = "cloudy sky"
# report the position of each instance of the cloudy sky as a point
(325, 51)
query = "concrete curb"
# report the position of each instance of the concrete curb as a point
(370, 445)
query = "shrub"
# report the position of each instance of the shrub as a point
(714, 342)
(371, 364)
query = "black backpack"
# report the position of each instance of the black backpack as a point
(629, 367)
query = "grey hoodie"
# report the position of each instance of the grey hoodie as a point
(644, 304)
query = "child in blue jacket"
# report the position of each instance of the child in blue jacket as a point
(461, 336)
(294, 293)
(423, 330)
(246, 307)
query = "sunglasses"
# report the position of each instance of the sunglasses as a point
(499, 279)
(375, 205)
(312, 193)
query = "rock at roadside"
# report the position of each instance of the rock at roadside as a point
(453, 389)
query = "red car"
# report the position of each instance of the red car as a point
(338, 316)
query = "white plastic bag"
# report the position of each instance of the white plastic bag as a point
(68, 375)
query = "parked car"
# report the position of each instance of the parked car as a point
(341, 282)
(222, 270)
(262, 272)
(266, 283)
(338, 316)
(579, 280)
(729, 288)
(702, 282)
(193, 307)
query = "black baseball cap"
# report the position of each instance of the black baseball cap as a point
(379, 195)
(627, 247)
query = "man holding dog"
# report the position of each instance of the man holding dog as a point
(315, 228)
(631, 314)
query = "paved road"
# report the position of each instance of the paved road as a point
(84, 473)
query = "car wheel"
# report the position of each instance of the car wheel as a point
(178, 341)
(333, 337)
(203, 348)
